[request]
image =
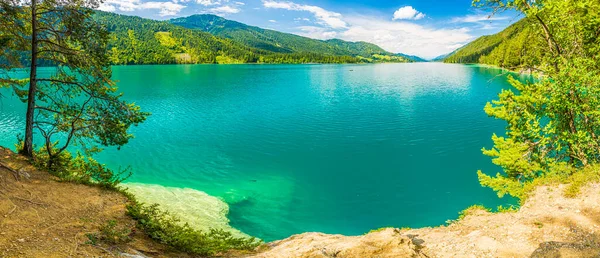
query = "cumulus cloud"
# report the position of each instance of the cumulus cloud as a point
(324, 17)
(405, 37)
(224, 10)
(164, 8)
(408, 13)
(399, 35)
(208, 2)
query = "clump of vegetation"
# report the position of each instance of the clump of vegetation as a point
(553, 123)
(79, 169)
(503, 209)
(110, 233)
(167, 229)
(472, 210)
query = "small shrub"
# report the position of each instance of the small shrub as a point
(510, 208)
(471, 210)
(377, 230)
(580, 179)
(111, 234)
(79, 169)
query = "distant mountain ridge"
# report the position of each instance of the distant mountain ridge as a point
(513, 47)
(280, 42)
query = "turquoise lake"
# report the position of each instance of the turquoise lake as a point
(296, 148)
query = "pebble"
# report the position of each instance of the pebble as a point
(21, 240)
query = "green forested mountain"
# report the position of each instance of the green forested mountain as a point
(511, 48)
(135, 40)
(279, 42)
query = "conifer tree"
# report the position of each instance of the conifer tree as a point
(553, 122)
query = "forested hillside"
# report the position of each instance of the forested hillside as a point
(511, 48)
(279, 42)
(192, 40)
(135, 40)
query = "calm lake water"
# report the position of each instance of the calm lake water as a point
(295, 148)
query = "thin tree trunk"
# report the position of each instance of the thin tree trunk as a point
(28, 141)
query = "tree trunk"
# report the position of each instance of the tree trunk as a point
(28, 141)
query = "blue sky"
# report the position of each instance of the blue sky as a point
(427, 28)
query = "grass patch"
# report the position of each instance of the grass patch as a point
(575, 179)
(110, 233)
(507, 209)
(472, 210)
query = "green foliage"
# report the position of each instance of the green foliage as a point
(110, 233)
(581, 178)
(214, 40)
(472, 210)
(553, 123)
(511, 48)
(511, 208)
(277, 42)
(78, 169)
(167, 229)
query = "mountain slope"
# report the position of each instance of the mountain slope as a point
(135, 40)
(513, 47)
(270, 40)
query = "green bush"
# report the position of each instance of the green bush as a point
(78, 169)
(167, 229)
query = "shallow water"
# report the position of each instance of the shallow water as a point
(296, 148)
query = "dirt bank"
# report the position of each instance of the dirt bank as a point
(41, 217)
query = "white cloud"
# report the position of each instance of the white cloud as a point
(394, 36)
(208, 2)
(239, 3)
(477, 18)
(273, 21)
(224, 10)
(408, 13)
(324, 17)
(107, 8)
(164, 8)
(317, 32)
(405, 37)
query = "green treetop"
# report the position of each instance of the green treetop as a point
(553, 123)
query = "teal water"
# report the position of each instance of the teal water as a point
(295, 148)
